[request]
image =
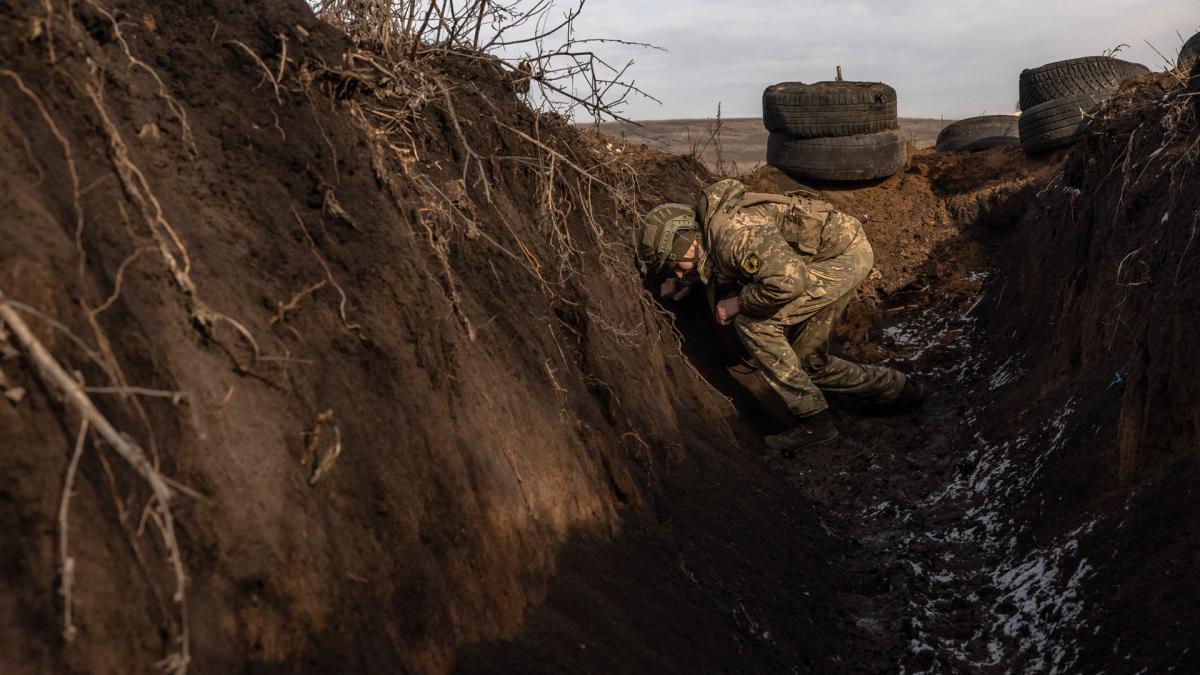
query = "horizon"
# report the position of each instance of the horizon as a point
(971, 68)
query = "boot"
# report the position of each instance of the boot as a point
(806, 432)
(911, 396)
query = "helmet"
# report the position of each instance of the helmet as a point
(667, 234)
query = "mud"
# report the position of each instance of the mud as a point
(462, 434)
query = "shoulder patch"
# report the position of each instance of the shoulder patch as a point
(751, 264)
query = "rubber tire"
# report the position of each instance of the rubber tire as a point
(1189, 54)
(827, 109)
(1056, 123)
(991, 142)
(858, 157)
(958, 135)
(1084, 75)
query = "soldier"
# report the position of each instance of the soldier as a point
(784, 268)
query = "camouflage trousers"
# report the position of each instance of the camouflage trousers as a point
(792, 346)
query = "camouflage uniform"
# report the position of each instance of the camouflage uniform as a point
(793, 263)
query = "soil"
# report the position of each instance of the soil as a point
(384, 327)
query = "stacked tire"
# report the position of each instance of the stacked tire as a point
(1058, 98)
(1189, 54)
(838, 131)
(978, 133)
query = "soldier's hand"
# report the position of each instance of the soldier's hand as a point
(727, 309)
(675, 289)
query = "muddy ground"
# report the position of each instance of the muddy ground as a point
(381, 326)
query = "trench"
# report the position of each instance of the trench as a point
(935, 580)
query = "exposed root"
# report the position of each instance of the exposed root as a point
(189, 141)
(282, 309)
(56, 378)
(66, 146)
(64, 530)
(440, 245)
(47, 26)
(120, 279)
(171, 247)
(268, 76)
(462, 140)
(37, 166)
(92, 355)
(356, 328)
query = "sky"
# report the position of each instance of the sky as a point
(945, 59)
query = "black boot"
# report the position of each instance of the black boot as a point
(911, 396)
(806, 432)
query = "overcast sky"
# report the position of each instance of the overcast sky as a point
(945, 58)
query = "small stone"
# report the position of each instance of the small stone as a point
(150, 131)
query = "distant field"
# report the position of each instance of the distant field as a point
(740, 143)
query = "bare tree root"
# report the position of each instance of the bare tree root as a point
(440, 245)
(47, 27)
(282, 309)
(268, 76)
(170, 246)
(354, 327)
(120, 279)
(64, 530)
(462, 140)
(67, 154)
(189, 141)
(56, 378)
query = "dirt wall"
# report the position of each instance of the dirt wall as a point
(1092, 321)
(374, 323)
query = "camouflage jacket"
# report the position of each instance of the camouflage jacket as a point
(759, 245)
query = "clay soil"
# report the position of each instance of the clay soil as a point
(382, 327)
